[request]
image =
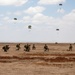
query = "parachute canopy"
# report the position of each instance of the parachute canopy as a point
(57, 29)
(60, 4)
(29, 27)
(15, 18)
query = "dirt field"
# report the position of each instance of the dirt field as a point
(57, 61)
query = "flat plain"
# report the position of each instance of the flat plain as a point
(57, 61)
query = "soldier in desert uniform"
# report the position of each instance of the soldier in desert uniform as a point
(5, 48)
(18, 46)
(46, 48)
(70, 47)
(33, 47)
(27, 47)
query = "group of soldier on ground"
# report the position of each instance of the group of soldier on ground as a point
(18, 47)
(27, 47)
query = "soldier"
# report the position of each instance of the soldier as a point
(27, 48)
(33, 47)
(5, 48)
(46, 48)
(18, 46)
(70, 47)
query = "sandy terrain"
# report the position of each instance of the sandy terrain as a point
(57, 61)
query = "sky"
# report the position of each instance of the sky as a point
(44, 16)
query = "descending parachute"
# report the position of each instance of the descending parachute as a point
(29, 27)
(57, 29)
(15, 18)
(57, 36)
(60, 4)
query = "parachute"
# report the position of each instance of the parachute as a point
(15, 18)
(57, 29)
(60, 4)
(57, 35)
(29, 27)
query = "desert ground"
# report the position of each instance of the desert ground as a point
(57, 61)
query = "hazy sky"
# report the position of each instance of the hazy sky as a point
(45, 16)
